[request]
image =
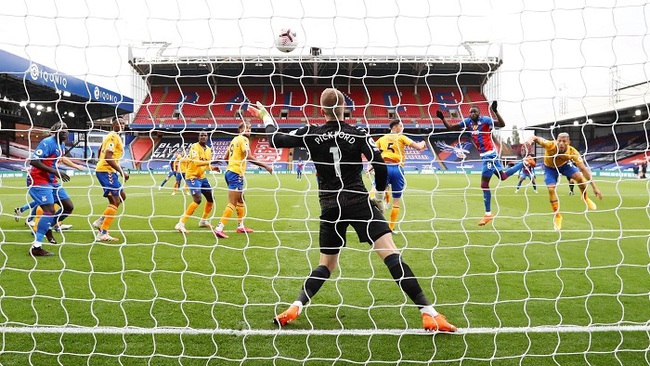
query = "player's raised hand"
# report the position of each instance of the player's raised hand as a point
(529, 142)
(493, 106)
(440, 115)
(260, 112)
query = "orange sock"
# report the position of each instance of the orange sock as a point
(109, 216)
(189, 212)
(207, 210)
(241, 211)
(554, 205)
(37, 218)
(227, 213)
(394, 212)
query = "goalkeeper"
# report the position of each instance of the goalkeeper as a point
(336, 148)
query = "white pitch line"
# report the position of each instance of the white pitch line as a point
(303, 332)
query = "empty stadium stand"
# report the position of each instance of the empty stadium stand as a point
(199, 107)
(141, 149)
(614, 153)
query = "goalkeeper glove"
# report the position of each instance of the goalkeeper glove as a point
(378, 201)
(440, 115)
(260, 112)
(493, 106)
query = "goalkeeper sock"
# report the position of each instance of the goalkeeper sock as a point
(406, 280)
(313, 283)
(241, 211)
(429, 310)
(207, 209)
(109, 216)
(299, 305)
(189, 212)
(394, 212)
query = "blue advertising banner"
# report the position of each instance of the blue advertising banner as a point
(26, 70)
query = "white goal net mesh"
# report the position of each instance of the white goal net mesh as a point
(519, 288)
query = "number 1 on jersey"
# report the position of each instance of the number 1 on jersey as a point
(336, 154)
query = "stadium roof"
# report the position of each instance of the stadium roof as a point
(31, 91)
(315, 70)
(630, 114)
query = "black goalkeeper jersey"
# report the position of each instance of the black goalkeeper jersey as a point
(336, 149)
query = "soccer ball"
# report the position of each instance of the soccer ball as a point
(286, 40)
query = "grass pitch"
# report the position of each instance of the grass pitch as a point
(493, 282)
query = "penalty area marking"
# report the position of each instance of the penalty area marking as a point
(302, 332)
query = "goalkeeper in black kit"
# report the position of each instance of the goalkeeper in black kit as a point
(335, 148)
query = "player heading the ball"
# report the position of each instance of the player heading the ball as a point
(481, 128)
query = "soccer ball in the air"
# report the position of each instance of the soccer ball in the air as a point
(286, 40)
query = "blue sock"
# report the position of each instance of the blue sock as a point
(28, 206)
(60, 215)
(487, 197)
(43, 226)
(519, 184)
(32, 213)
(513, 169)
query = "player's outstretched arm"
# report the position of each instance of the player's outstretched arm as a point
(587, 173)
(70, 163)
(531, 140)
(253, 160)
(448, 126)
(499, 122)
(276, 139)
(419, 145)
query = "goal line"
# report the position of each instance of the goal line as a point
(302, 332)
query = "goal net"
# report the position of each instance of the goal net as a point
(519, 288)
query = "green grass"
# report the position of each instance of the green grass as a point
(514, 272)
